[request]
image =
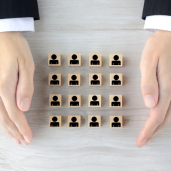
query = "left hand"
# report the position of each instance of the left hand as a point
(156, 84)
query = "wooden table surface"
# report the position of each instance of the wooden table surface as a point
(82, 26)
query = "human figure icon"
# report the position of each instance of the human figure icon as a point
(95, 80)
(116, 80)
(94, 123)
(116, 122)
(54, 123)
(95, 60)
(55, 101)
(74, 80)
(74, 123)
(54, 60)
(54, 80)
(94, 101)
(116, 103)
(116, 60)
(74, 60)
(74, 101)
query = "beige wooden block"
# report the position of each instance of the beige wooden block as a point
(74, 121)
(94, 101)
(55, 121)
(116, 121)
(54, 59)
(74, 80)
(116, 79)
(95, 60)
(54, 79)
(95, 79)
(94, 121)
(74, 100)
(55, 100)
(115, 101)
(74, 59)
(115, 60)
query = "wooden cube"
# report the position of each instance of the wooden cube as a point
(115, 60)
(95, 79)
(54, 79)
(74, 80)
(116, 79)
(94, 101)
(94, 121)
(74, 59)
(54, 59)
(115, 101)
(55, 100)
(74, 121)
(95, 60)
(55, 121)
(116, 121)
(74, 100)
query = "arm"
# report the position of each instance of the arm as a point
(155, 72)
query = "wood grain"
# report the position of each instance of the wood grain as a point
(87, 27)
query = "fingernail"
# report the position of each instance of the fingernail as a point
(149, 101)
(25, 104)
(16, 141)
(27, 139)
(24, 142)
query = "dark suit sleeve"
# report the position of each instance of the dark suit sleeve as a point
(19, 9)
(156, 7)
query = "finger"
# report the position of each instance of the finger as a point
(156, 118)
(149, 84)
(165, 123)
(14, 113)
(11, 135)
(25, 86)
(9, 126)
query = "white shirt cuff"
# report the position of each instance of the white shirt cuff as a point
(17, 24)
(158, 22)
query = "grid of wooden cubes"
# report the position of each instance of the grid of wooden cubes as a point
(95, 60)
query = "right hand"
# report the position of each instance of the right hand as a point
(16, 86)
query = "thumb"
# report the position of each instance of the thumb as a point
(149, 83)
(25, 87)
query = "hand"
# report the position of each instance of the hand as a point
(16, 85)
(156, 84)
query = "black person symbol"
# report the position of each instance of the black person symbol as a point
(54, 80)
(74, 101)
(116, 81)
(116, 123)
(95, 61)
(73, 81)
(116, 62)
(94, 102)
(95, 81)
(73, 123)
(55, 101)
(74, 60)
(54, 123)
(54, 60)
(116, 103)
(94, 123)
